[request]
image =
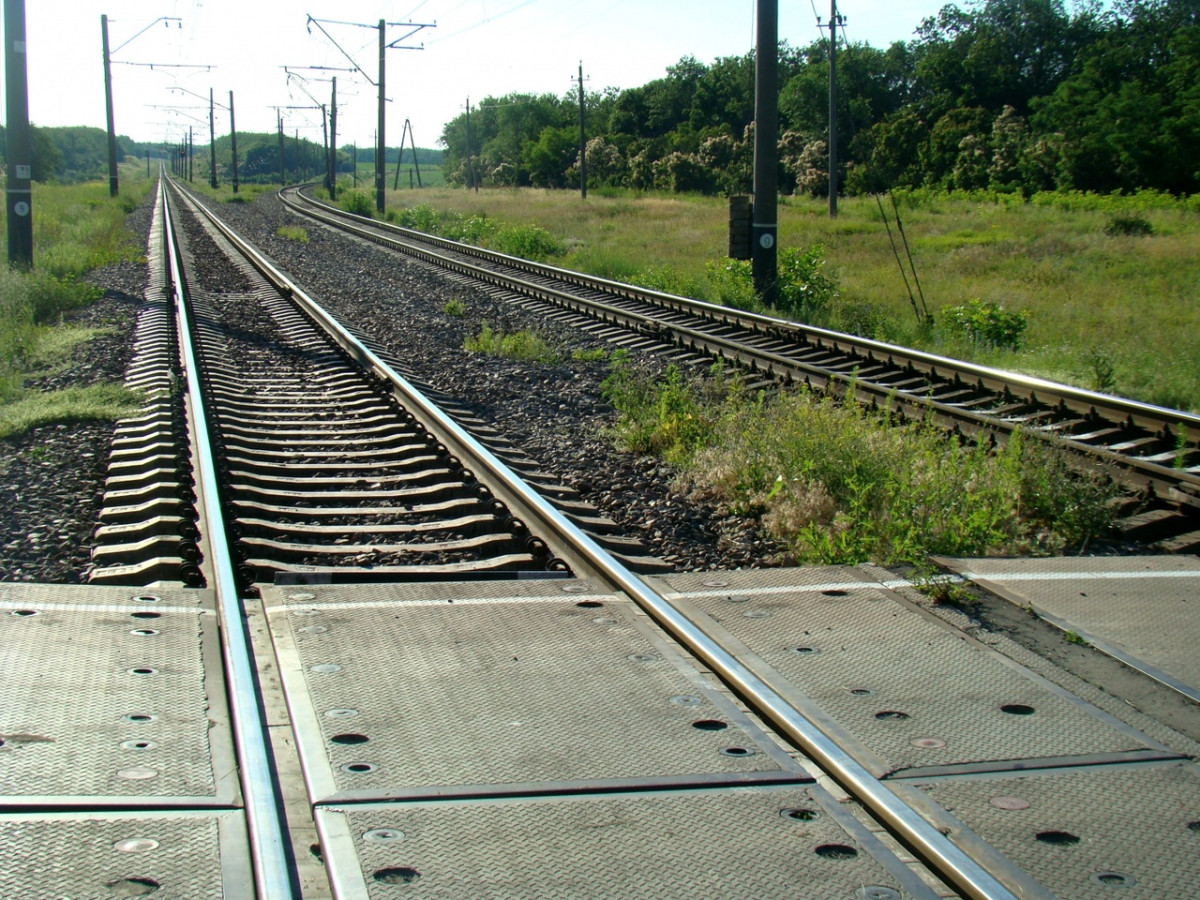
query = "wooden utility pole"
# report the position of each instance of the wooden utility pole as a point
(764, 230)
(18, 153)
(833, 144)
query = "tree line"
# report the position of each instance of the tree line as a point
(80, 153)
(1005, 95)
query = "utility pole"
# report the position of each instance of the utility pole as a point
(384, 46)
(355, 146)
(282, 173)
(333, 143)
(108, 107)
(18, 152)
(325, 146)
(381, 143)
(212, 142)
(582, 141)
(470, 167)
(233, 141)
(764, 229)
(834, 21)
(108, 94)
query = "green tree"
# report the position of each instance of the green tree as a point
(551, 155)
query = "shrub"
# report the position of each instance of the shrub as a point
(732, 283)
(803, 289)
(1128, 226)
(664, 279)
(419, 218)
(985, 323)
(528, 242)
(357, 203)
(669, 418)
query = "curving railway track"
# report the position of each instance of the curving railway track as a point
(1154, 451)
(439, 677)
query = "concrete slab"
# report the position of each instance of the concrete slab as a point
(902, 691)
(1129, 831)
(112, 696)
(436, 690)
(100, 856)
(735, 843)
(1143, 610)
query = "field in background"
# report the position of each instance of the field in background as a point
(1107, 309)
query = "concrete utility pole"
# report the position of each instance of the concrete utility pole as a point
(834, 21)
(582, 141)
(384, 46)
(233, 141)
(282, 170)
(18, 151)
(333, 142)
(108, 94)
(381, 127)
(212, 142)
(764, 230)
(108, 107)
(470, 157)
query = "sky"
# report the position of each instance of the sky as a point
(470, 49)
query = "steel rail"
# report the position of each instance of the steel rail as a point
(1165, 480)
(950, 862)
(272, 868)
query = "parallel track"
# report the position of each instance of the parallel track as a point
(258, 433)
(1152, 449)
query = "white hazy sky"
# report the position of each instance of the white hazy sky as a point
(478, 48)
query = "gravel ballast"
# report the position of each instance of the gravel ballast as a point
(51, 479)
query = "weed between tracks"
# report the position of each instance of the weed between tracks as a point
(528, 346)
(839, 483)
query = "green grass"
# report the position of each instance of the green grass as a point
(523, 345)
(841, 484)
(1108, 311)
(98, 402)
(76, 228)
(293, 233)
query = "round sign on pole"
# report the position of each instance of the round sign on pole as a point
(21, 208)
(767, 241)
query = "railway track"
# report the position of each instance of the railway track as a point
(436, 680)
(1154, 451)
